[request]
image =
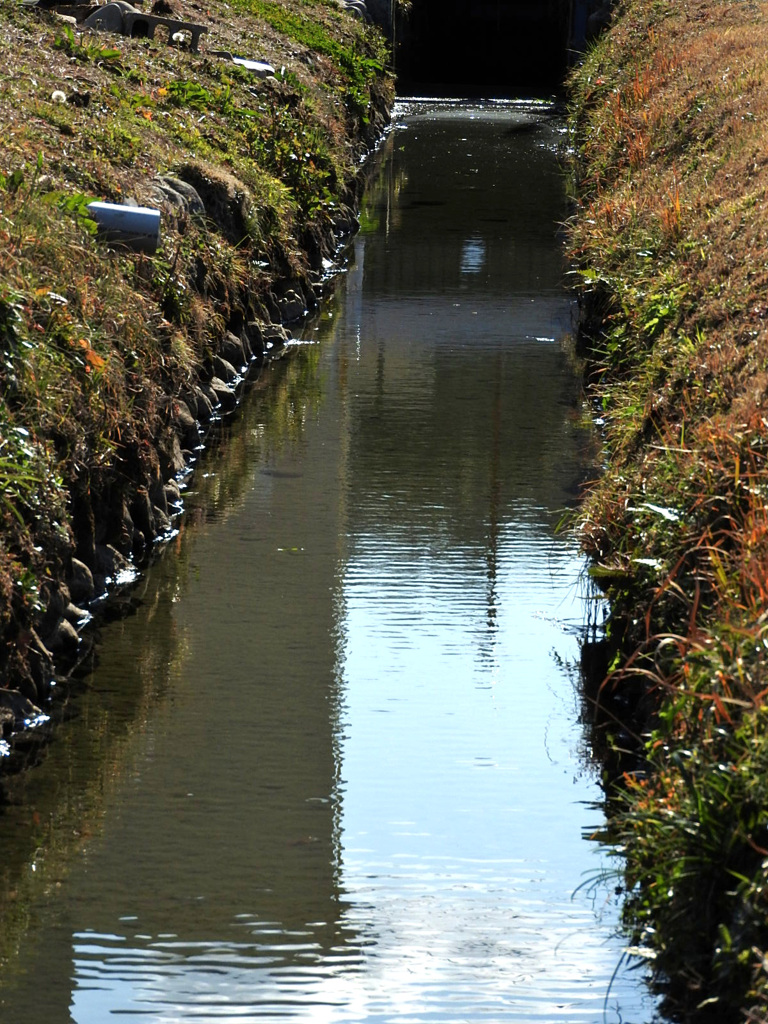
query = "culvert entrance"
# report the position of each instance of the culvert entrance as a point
(483, 47)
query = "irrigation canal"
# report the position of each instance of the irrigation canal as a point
(331, 768)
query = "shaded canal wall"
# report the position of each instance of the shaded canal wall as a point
(491, 47)
(487, 46)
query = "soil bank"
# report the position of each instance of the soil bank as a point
(670, 246)
(114, 362)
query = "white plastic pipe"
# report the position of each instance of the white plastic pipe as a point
(138, 227)
(259, 67)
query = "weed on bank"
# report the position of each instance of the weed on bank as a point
(670, 247)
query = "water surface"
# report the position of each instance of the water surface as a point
(331, 768)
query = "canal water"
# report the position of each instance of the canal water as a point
(329, 767)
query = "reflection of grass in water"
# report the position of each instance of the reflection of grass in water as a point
(52, 821)
(273, 416)
(55, 808)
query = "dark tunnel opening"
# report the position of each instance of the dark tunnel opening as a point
(490, 48)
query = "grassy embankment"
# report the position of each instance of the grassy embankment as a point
(108, 355)
(670, 121)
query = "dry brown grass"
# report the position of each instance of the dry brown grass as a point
(671, 241)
